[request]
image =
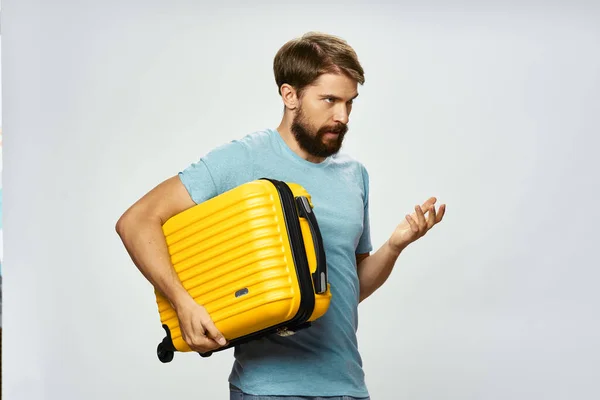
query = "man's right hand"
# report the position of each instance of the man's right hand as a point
(197, 327)
(140, 229)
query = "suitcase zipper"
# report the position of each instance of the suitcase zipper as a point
(290, 212)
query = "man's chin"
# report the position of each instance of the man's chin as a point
(332, 143)
(333, 149)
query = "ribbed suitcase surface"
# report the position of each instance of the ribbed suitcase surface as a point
(249, 256)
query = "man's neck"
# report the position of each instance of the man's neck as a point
(286, 134)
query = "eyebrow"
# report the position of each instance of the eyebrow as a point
(323, 96)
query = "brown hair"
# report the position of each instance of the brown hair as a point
(301, 61)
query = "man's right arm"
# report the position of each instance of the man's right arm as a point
(140, 229)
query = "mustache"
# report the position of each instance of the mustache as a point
(340, 129)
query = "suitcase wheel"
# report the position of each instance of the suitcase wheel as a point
(285, 331)
(164, 355)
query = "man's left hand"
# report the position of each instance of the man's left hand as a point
(416, 225)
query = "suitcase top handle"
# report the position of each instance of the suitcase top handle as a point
(320, 275)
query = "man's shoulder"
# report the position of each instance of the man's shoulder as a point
(255, 140)
(241, 147)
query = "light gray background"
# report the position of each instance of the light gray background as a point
(492, 108)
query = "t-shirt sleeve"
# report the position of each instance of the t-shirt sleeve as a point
(364, 243)
(220, 170)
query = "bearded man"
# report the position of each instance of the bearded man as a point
(317, 76)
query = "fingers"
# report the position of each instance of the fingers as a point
(413, 225)
(420, 225)
(430, 201)
(441, 213)
(199, 331)
(431, 220)
(434, 216)
(425, 224)
(421, 219)
(213, 332)
(200, 342)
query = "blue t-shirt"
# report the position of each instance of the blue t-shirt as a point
(323, 360)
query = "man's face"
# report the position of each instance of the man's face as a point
(321, 120)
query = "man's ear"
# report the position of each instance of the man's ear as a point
(289, 96)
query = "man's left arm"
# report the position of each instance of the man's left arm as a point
(374, 269)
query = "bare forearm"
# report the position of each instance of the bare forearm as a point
(145, 242)
(374, 270)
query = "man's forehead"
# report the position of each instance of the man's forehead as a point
(336, 84)
(334, 79)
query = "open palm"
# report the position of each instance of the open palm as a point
(417, 224)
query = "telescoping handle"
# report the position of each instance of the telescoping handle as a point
(320, 275)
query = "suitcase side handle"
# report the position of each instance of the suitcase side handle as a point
(320, 275)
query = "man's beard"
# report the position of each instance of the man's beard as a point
(313, 142)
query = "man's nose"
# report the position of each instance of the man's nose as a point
(342, 115)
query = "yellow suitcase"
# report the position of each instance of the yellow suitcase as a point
(253, 257)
